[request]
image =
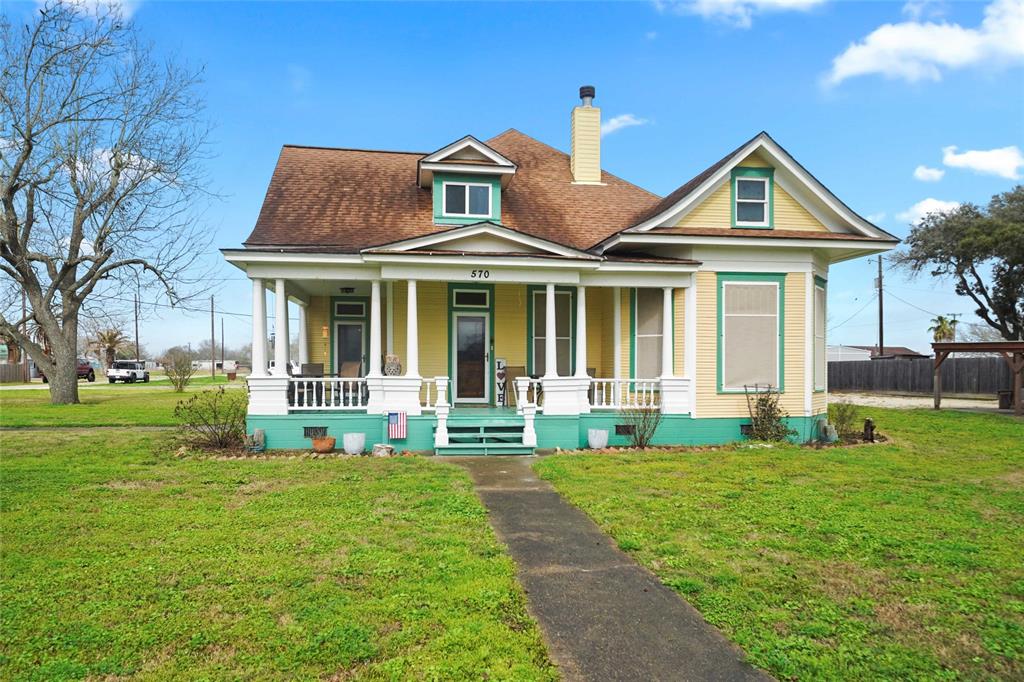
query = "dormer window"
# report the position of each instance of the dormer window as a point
(752, 197)
(467, 200)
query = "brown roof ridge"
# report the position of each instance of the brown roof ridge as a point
(556, 149)
(353, 149)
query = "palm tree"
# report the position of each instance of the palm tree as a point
(109, 342)
(943, 329)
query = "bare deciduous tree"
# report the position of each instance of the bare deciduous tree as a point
(101, 147)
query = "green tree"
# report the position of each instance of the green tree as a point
(982, 251)
(943, 329)
(110, 342)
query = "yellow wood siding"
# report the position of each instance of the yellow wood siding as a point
(712, 404)
(624, 302)
(510, 324)
(318, 315)
(595, 326)
(716, 210)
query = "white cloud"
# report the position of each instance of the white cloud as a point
(924, 207)
(915, 51)
(924, 9)
(876, 217)
(738, 13)
(926, 174)
(619, 122)
(1004, 162)
(95, 7)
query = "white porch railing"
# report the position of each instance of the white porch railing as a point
(434, 392)
(617, 394)
(528, 391)
(327, 393)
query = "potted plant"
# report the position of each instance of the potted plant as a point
(324, 444)
(597, 439)
(354, 443)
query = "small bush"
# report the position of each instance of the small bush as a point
(213, 419)
(767, 418)
(179, 367)
(843, 416)
(644, 421)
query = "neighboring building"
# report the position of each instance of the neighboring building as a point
(900, 352)
(509, 275)
(847, 353)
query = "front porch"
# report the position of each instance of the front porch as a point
(456, 356)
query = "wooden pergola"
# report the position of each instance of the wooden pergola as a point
(1012, 352)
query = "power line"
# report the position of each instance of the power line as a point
(913, 305)
(862, 309)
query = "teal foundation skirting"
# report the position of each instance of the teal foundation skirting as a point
(565, 432)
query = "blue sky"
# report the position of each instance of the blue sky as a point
(861, 93)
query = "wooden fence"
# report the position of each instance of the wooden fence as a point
(11, 373)
(960, 375)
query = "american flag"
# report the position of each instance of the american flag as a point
(396, 425)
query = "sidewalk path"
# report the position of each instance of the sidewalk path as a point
(604, 617)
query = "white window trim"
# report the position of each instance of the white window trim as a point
(485, 292)
(467, 214)
(637, 335)
(765, 201)
(778, 299)
(823, 337)
(541, 307)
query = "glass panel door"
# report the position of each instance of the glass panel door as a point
(471, 357)
(348, 354)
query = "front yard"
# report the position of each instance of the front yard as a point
(898, 561)
(119, 560)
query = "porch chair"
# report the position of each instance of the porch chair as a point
(352, 369)
(312, 370)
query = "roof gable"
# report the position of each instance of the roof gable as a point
(465, 155)
(798, 184)
(483, 237)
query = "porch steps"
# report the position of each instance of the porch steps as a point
(485, 436)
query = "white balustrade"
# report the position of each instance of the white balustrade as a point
(528, 392)
(617, 394)
(434, 393)
(327, 393)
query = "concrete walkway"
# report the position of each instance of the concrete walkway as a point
(604, 617)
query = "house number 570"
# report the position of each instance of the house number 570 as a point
(480, 274)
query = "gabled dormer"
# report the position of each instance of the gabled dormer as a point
(465, 179)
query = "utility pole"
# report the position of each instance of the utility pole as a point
(881, 317)
(222, 342)
(213, 342)
(138, 355)
(955, 322)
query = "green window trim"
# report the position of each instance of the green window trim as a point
(335, 318)
(632, 331)
(823, 283)
(489, 309)
(741, 172)
(531, 289)
(723, 277)
(438, 198)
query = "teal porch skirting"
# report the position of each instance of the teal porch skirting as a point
(565, 432)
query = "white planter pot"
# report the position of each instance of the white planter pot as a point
(597, 439)
(354, 443)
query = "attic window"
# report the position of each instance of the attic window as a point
(463, 199)
(752, 197)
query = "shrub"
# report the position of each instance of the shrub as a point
(767, 418)
(179, 367)
(843, 416)
(213, 419)
(643, 422)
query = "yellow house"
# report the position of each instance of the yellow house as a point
(503, 296)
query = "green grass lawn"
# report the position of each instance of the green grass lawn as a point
(899, 561)
(103, 404)
(119, 560)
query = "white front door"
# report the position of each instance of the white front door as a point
(471, 357)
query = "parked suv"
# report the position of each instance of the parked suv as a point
(128, 371)
(85, 371)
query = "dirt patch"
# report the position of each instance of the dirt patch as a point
(123, 484)
(911, 401)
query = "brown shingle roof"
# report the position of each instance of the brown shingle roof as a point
(351, 199)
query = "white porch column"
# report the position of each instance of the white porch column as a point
(617, 331)
(374, 359)
(389, 316)
(281, 337)
(550, 338)
(581, 332)
(259, 329)
(303, 337)
(666, 333)
(412, 342)
(690, 342)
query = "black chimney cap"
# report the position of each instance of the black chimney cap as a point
(587, 91)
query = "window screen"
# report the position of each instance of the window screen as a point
(752, 201)
(649, 330)
(455, 199)
(750, 335)
(469, 200)
(819, 339)
(563, 331)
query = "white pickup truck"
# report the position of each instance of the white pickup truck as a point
(128, 371)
